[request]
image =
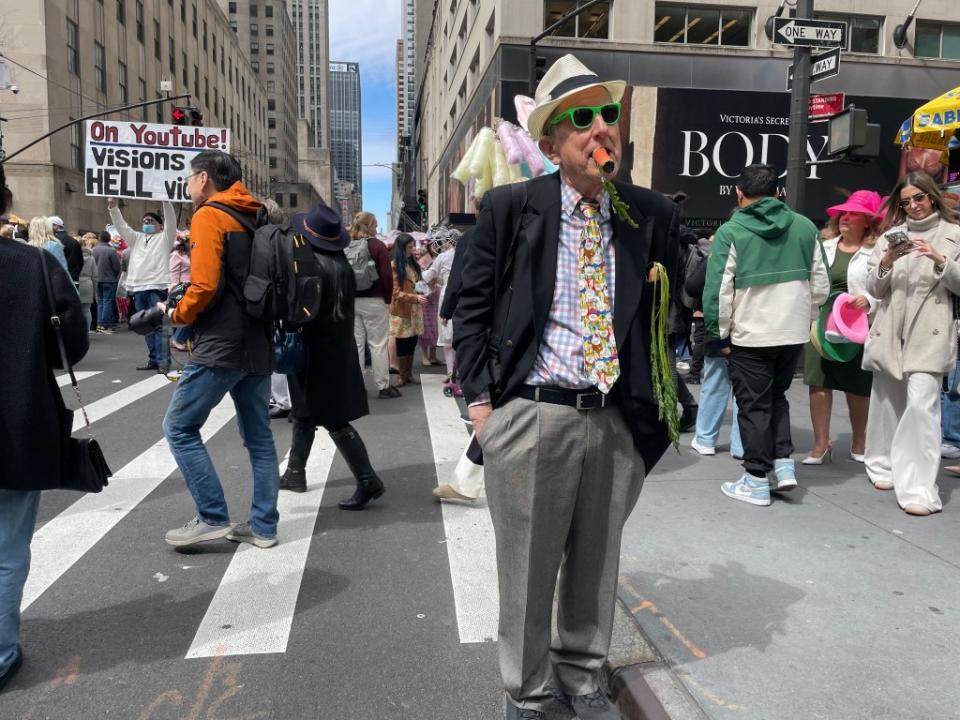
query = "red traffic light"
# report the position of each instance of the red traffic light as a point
(179, 116)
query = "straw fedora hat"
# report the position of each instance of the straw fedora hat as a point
(564, 78)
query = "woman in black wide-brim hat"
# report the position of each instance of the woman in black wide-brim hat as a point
(329, 392)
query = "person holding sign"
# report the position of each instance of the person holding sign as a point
(149, 271)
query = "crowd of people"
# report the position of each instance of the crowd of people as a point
(546, 330)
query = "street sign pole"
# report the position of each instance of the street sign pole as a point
(799, 107)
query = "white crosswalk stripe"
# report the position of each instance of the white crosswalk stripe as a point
(64, 380)
(120, 399)
(66, 538)
(470, 543)
(253, 608)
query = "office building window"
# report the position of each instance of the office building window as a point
(142, 91)
(121, 12)
(269, 48)
(279, 198)
(206, 91)
(213, 43)
(273, 163)
(293, 200)
(254, 29)
(268, 30)
(592, 23)
(253, 10)
(271, 86)
(233, 25)
(122, 81)
(268, 11)
(76, 152)
(937, 40)
(194, 20)
(186, 76)
(863, 31)
(255, 64)
(270, 69)
(100, 67)
(172, 55)
(271, 105)
(232, 8)
(196, 81)
(254, 48)
(272, 142)
(702, 25)
(183, 11)
(204, 35)
(73, 53)
(139, 19)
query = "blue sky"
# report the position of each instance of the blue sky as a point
(366, 32)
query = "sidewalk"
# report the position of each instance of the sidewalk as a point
(832, 603)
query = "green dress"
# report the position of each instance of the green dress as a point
(844, 376)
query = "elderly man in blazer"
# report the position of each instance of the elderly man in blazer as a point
(553, 335)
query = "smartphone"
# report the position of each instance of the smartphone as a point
(897, 237)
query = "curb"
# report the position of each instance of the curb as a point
(642, 685)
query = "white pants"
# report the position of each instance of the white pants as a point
(279, 391)
(370, 324)
(467, 477)
(903, 437)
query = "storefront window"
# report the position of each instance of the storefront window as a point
(863, 31)
(937, 40)
(592, 23)
(702, 25)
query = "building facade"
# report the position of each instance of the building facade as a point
(706, 87)
(345, 123)
(72, 59)
(311, 24)
(404, 192)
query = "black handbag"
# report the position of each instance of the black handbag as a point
(82, 464)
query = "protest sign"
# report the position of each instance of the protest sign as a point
(149, 161)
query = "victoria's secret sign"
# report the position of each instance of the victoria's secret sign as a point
(705, 138)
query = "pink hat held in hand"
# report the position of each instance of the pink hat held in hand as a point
(862, 201)
(851, 322)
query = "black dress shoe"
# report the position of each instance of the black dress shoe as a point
(278, 412)
(148, 366)
(12, 670)
(512, 712)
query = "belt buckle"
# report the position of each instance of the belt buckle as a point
(585, 401)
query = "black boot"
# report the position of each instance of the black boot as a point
(369, 487)
(295, 478)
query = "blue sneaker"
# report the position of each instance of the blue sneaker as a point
(748, 489)
(784, 475)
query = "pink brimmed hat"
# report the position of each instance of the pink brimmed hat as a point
(862, 201)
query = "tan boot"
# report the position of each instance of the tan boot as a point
(406, 371)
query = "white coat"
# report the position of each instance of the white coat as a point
(913, 329)
(856, 271)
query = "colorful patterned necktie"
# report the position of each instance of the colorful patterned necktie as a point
(596, 316)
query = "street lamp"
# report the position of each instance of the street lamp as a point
(900, 32)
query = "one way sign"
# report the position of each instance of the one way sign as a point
(810, 33)
(823, 66)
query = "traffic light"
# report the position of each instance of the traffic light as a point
(540, 68)
(196, 117)
(422, 202)
(179, 116)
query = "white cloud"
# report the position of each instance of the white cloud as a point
(366, 32)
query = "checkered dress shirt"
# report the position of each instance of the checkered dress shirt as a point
(559, 361)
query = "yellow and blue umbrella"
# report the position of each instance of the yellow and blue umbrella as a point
(934, 125)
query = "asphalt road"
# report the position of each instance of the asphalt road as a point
(353, 615)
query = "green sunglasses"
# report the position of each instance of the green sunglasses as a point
(582, 117)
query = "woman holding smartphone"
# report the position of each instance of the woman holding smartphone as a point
(913, 273)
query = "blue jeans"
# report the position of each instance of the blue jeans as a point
(198, 391)
(107, 304)
(158, 352)
(182, 334)
(950, 412)
(715, 393)
(18, 515)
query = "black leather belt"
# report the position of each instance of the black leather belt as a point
(580, 399)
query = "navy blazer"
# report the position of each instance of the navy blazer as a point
(533, 279)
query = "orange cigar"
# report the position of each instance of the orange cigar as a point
(603, 160)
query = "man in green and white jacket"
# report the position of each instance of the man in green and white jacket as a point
(766, 278)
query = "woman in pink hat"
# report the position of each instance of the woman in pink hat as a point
(848, 241)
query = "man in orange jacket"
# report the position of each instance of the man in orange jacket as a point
(232, 352)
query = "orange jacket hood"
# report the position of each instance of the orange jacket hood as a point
(238, 197)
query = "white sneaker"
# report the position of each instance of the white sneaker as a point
(949, 451)
(702, 449)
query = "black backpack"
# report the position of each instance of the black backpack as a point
(283, 285)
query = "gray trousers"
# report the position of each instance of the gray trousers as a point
(560, 484)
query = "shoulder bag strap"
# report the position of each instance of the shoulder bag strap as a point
(55, 321)
(238, 216)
